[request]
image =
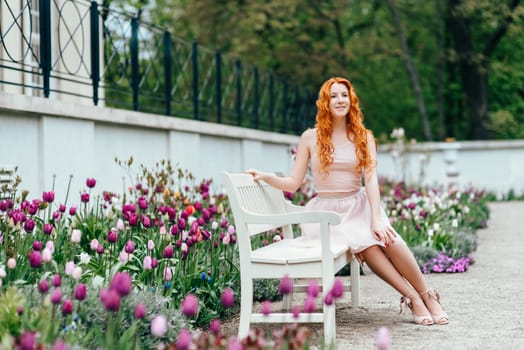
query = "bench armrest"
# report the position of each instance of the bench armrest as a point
(302, 217)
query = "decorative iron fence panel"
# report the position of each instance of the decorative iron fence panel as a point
(80, 49)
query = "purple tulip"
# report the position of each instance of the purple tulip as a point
(168, 252)
(133, 219)
(112, 237)
(190, 305)
(37, 245)
(100, 249)
(181, 223)
(48, 197)
(27, 340)
(146, 221)
(130, 247)
(35, 259)
(227, 299)
(154, 262)
(56, 280)
(174, 230)
(328, 299)
(296, 311)
(67, 307)
(72, 210)
(62, 208)
(84, 197)
(29, 225)
(111, 299)
(140, 311)
(142, 203)
(43, 286)
(121, 283)
(48, 229)
(90, 182)
(80, 292)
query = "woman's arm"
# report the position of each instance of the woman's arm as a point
(381, 229)
(292, 182)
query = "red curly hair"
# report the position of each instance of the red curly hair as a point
(354, 125)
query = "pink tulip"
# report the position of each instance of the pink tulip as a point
(338, 288)
(328, 299)
(227, 299)
(159, 326)
(296, 311)
(130, 247)
(190, 305)
(286, 285)
(383, 339)
(309, 304)
(112, 237)
(183, 341)
(94, 244)
(168, 274)
(76, 236)
(313, 288)
(266, 307)
(214, 326)
(11, 263)
(29, 225)
(27, 340)
(140, 311)
(56, 296)
(147, 263)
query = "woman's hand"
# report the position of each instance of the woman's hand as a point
(384, 232)
(257, 175)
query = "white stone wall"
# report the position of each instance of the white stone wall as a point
(50, 140)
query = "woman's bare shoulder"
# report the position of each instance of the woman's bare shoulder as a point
(309, 134)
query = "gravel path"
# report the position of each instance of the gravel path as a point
(484, 304)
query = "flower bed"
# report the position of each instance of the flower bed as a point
(147, 267)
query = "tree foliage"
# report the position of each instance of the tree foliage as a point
(468, 54)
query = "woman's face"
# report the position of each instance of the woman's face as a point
(339, 102)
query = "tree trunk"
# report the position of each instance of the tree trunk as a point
(413, 75)
(474, 71)
(441, 129)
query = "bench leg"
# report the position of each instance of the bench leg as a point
(246, 307)
(355, 283)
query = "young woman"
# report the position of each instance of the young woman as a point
(342, 152)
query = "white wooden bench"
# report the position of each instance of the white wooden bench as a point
(258, 208)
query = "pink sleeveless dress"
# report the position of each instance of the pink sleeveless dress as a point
(341, 191)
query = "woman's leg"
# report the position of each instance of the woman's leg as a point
(383, 267)
(403, 260)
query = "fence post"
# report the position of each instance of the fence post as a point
(218, 63)
(272, 102)
(255, 122)
(195, 80)
(239, 92)
(285, 106)
(296, 109)
(95, 50)
(135, 76)
(168, 62)
(45, 44)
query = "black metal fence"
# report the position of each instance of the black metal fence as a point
(129, 64)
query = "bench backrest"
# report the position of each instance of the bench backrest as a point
(246, 195)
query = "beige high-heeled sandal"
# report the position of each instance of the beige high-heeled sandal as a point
(442, 318)
(424, 320)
